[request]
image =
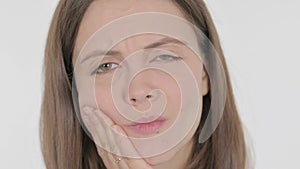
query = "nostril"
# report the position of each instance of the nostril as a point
(134, 100)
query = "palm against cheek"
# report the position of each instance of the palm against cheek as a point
(109, 138)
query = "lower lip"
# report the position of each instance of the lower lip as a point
(147, 128)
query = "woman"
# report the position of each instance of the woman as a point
(71, 142)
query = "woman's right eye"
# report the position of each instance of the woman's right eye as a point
(105, 68)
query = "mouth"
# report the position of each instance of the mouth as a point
(149, 127)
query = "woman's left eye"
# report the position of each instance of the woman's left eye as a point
(166, 58)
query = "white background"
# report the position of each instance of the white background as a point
(260, 39)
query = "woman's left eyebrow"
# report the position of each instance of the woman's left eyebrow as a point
(164, 41)
(161, 42)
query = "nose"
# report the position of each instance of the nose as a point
(142, 93)
(137, 98)
(141, 99)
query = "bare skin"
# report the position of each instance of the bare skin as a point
(101, 122)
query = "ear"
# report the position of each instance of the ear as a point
(205, 83)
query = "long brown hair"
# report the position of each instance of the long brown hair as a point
(63, 141)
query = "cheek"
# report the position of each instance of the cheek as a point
(173, 94)
(166, 83)
(104, 98)
(196, 66)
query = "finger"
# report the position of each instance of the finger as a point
(107, 158)
(123, 164)
(120, 145)
(104, 117)
(123, 141)
(110, 133)
(100, 128)
(95, 126)
(112, 146)
(126, 147)
(101, 153)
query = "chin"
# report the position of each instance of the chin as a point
(160, 159)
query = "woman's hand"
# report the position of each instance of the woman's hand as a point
(108, 134)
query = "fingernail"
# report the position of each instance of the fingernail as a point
(115, 127)
(87, 109)
(103, 116)
(85, 116)
(118, 129)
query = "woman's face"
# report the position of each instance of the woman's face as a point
(102, 12)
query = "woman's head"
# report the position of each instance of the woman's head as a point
(73, 24)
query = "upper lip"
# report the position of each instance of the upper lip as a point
(146, 120)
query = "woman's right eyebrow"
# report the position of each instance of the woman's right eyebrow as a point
(161, 42)
(97, 53)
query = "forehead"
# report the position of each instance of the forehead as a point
(101, 12)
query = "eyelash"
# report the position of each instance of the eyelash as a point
(173, 58)
(96, 71)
